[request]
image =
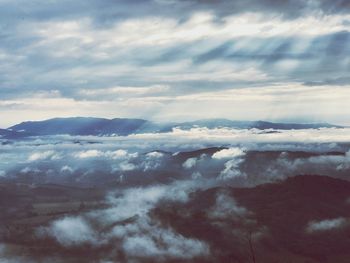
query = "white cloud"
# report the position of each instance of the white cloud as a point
(228, 153)
(327, 224)
(126, 166)
(27, 169)
(189, 163)
(71, 231)
(120, 154)
(139, 236)
(196, 175)
(159, 243)
(125, 91)
(67, 169)
(114, 155)
(138, 201)
(37, 156)
(231, 170)
(152, 161)
(226, 207)
(151, 31)
(136, 44)
(88, 154)
(246, 137)
(331, 164)
(155, 154)
(144, 237)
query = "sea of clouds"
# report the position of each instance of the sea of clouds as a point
(140, 172)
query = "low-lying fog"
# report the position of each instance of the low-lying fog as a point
(244, 157)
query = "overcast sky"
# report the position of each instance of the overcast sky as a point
(172, 60)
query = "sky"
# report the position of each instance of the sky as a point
(175, 60)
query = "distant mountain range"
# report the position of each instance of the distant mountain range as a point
(81, 126)
(11, 134)
(123, 126)
(262, 125)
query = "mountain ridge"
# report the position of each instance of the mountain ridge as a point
(126, 126)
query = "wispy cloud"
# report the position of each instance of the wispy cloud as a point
(101, 58)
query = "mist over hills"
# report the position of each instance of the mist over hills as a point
(184, 196)
(125, 126)
(298, 218)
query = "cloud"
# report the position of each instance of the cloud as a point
(160, 244)
(114, 155)
(126, 166)
(226, 207)
(127, 224)
(145, 237)
(133, 160)
(124, 91)
(88, 154)
(228, 153)
(316, 104)
(326, 225)
(37, 156)
(71, 231)
(67, 169)
(27, 170)
(110, 12)
(189, 163)
(152, 161)
(249, 137)
(154, 154)
(231, 170)
(154, 59)
(196, 175)
(285, 164)
(331, 81)
(288, 9)
(138, 201)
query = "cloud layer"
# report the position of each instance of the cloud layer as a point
(156, 58)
